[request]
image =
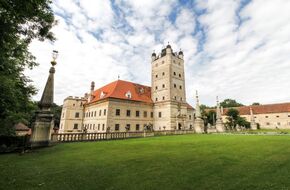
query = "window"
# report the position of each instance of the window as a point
(151, 114)
(288, 115)
(278, 123)
(95, 113)
(117, 127)
(174, 73)
(99, 126)
(63, 115)
(277, 115)
(159, 114)
(77, 115)
(103, 127)
(266, 116)
(163, 85)
(180, 87)
(174, 85)
(89, 114)
(190, 117)
(156, 99)
(145, 113)
(180, 98)
(174, 97)
(74, 105)
(163, 98)
(137, 127)
(128, 127)
(162, 62)
(163, 74)
(156, 87)
(128, 94)
(128, 113)
(100, 112)
(105, 111)
(90, 126)
(92, 114)
(75, 126)
(137, 113)
(94, 127)
(118, 112)
(156, 76)
(179, 75)
(267, 123)
(190, 126)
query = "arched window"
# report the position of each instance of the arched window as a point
(128, 95)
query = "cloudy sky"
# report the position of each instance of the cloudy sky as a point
(236, 49)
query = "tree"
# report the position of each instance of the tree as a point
(229, 103)
(232, 117)
(256, 104)
(20, 23)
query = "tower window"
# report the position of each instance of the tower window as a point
(105, 111)
(179, 75)
(174, 97)
(156, 87)
(159, 114)
(180, 87)
(156, 76)
(163, 85)
(181, 99)
(163, 74)
(174, 73)
(174, 85)
(156, 99)
(118, 112)
(163, 98)
(266, 116)
(277, 115)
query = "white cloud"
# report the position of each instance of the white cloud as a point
(248, 62)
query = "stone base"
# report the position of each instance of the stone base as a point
(220, 128)
(41, 130)
(198, 125)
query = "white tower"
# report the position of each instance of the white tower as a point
(168, 90)
(198, 122)
(219, 123)
(253, 123)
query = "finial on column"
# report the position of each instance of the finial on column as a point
(54, 57)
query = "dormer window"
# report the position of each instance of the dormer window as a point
(102, 95)
(128, 95)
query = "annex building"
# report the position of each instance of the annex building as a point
(127, 106)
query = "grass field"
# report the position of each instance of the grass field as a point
(170, 162)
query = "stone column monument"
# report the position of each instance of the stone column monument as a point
(253, 123)
(219, 123)
(44, 122)
(198, 122)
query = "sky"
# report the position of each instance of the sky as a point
(238, 49)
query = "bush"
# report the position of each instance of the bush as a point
(13, 143)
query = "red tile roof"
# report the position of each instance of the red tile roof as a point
(119, 88)
(263, 109)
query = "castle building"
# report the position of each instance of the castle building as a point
(268, 116)
(127, 106)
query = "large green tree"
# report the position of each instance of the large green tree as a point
(20, 23)
(229, 103)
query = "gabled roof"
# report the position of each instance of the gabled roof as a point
(263, 109)
(123, 90)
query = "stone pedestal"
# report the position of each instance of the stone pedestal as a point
(254, 126)
(199, 125)
(42, 129)
(220, 128)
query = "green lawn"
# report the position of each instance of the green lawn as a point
(170, 162)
